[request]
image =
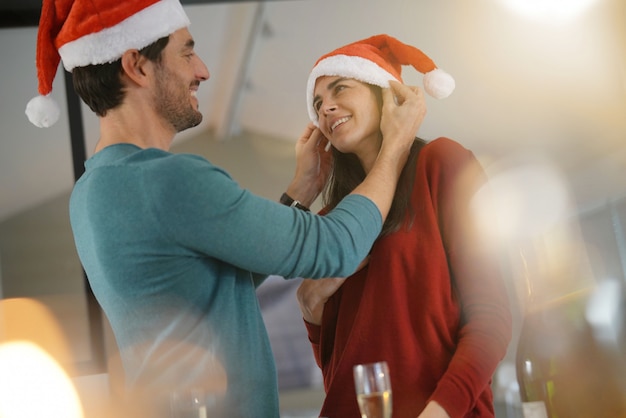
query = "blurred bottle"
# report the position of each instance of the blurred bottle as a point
(562, 370)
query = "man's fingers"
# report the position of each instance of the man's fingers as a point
(308, 132)
(402, 92)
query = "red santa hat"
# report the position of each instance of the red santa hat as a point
(376, 60)
(86, 32)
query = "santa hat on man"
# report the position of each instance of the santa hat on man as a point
(376, 60)
(85, 32)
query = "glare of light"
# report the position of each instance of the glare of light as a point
(521, 200)
(604, 310)
(33, 385)
(550, 10)
(528, 366)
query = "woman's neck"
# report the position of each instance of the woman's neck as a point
(368, 153)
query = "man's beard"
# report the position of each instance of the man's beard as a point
(174, 104)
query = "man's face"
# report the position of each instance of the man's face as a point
(178, 76)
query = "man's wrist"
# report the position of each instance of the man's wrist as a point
(287, 200)
(304, 191)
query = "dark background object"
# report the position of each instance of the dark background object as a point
(18, 13)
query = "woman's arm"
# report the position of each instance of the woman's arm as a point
(485, 329)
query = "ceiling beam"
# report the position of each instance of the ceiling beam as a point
(23, 13)
(228, 125)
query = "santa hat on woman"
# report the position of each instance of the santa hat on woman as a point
(376, 60)
(86, 32)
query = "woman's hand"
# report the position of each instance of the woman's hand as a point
(433, 410)
(313, 294)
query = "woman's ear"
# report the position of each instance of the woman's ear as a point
(134, 66)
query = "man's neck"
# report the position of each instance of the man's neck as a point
(142, 129)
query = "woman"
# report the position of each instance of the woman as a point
(430, 299)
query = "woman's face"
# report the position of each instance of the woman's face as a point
(349, 115)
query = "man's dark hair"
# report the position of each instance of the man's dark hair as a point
(100, 86)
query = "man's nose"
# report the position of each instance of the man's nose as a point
(203, 71)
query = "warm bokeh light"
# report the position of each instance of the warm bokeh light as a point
(526, 197)
(605, 311)
(27, 319)
(525, 210)
(33, 385)
(550, 10)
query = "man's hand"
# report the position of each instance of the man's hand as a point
(404, 109)
(313, 164)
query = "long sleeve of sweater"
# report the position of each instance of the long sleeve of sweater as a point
(485, 323)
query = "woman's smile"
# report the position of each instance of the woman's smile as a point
(339, 122)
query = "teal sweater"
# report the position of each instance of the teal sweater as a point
(174, 249)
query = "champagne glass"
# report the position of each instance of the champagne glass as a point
(193, 402)
(373, 389)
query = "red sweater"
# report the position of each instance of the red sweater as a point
(431, 302)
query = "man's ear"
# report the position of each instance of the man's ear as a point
(134, 66)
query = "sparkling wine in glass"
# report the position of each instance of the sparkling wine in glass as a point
(373, 389)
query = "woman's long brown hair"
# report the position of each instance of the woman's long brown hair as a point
(347, 174)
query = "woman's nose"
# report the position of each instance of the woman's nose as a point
(329, 108)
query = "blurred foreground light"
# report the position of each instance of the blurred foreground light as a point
(522, 200)
(604, 311)
(32, 384)
(550, 10)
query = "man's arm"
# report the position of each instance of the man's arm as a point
(403, 111)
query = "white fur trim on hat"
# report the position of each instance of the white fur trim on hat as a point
(43, 111)
(438, 83)
(136, 32)
(345, 66)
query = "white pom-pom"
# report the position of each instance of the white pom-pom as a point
(43, 111)
(438, 83)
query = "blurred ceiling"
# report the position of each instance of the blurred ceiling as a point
(549, 87)
(22, 13)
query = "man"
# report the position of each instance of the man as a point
(172, 247)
